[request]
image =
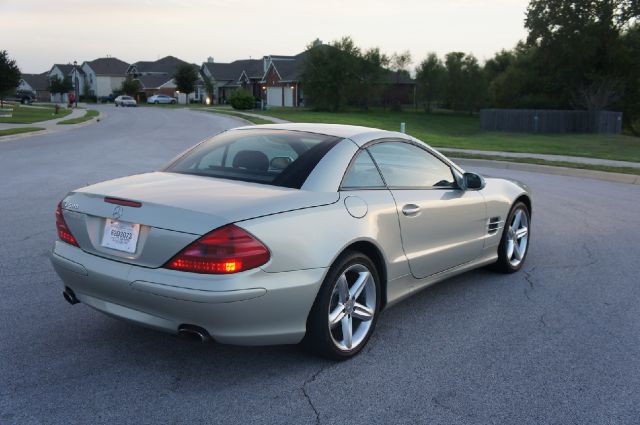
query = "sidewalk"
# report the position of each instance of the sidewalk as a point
(561, 158)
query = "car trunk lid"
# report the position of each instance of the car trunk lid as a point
(172, 210)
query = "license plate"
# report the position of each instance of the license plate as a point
(121, 235)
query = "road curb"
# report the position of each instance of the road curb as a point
(222, 114)
(549, 169)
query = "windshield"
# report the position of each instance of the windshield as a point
(276, 157)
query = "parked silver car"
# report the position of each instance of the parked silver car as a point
(287, 233)
(161, 98)
(125, 101)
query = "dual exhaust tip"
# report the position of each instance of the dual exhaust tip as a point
(184, 331)
(70, 296)
(194, 332)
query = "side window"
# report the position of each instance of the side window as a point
(213, 158)
(405, 165)
(362, 173)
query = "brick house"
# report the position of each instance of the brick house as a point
(228, 77)
(281, 80)
(156, 77)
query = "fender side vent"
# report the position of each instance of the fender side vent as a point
(494, 225)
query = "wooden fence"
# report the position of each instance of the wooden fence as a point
(550, 121)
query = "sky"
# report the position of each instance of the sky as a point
(39, 33)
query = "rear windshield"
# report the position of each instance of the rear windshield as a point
(275, 157)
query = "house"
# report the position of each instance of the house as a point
(251, 77)
(157, 77)
(74, 72)
(37, 84)
(228, 77)
(156, 84)
(281, 80)
(103, 76)
(399, 88)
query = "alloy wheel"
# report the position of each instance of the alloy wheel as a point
(517, 237)
(352, 307)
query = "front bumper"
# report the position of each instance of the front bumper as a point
(248, 308)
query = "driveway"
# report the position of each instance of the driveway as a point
(556, 343)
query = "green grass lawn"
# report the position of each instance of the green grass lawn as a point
(11, 131)
(91, 113)
(463, 131)
(30, 114)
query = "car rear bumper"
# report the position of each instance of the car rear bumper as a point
(248, 308)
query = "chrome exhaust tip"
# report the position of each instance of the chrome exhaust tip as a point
(70, 296)
(194, 332)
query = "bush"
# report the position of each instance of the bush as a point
(242, 99)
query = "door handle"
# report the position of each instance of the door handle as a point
(410, 209)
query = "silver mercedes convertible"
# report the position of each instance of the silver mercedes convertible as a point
(284, 234)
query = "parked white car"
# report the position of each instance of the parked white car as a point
(161, 98)
(125, 101)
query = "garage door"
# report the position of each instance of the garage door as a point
(274, 96)
(288, 96)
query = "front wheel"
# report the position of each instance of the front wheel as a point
(346, 308)
(514, 244)
(173, 102)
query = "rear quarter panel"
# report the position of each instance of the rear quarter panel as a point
(315, 237)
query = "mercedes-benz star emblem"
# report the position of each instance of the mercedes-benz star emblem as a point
(117, 212)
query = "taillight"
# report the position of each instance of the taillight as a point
(63, 231)
(228, 249)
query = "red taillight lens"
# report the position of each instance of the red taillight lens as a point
(228, 249)
(63, 231)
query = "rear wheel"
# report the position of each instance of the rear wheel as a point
(345, 311)
(514, 244)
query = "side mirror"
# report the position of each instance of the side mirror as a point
(473, 181)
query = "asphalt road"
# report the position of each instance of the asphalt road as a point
(557, 343)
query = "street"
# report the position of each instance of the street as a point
(557, 343)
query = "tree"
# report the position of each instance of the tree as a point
(399, 63)
(474, 85)
(466, 88)
(455, 77)
(578, 44)
(60, 86)
(242, 99)
(330, 74)
(9, 75)
(371, 72)
(430, 78)
(185, 78)
(130, 87)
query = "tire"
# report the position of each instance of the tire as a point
(173, 102)
(332, 342)
(156, 102)
(116, 103)
(510, 259)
